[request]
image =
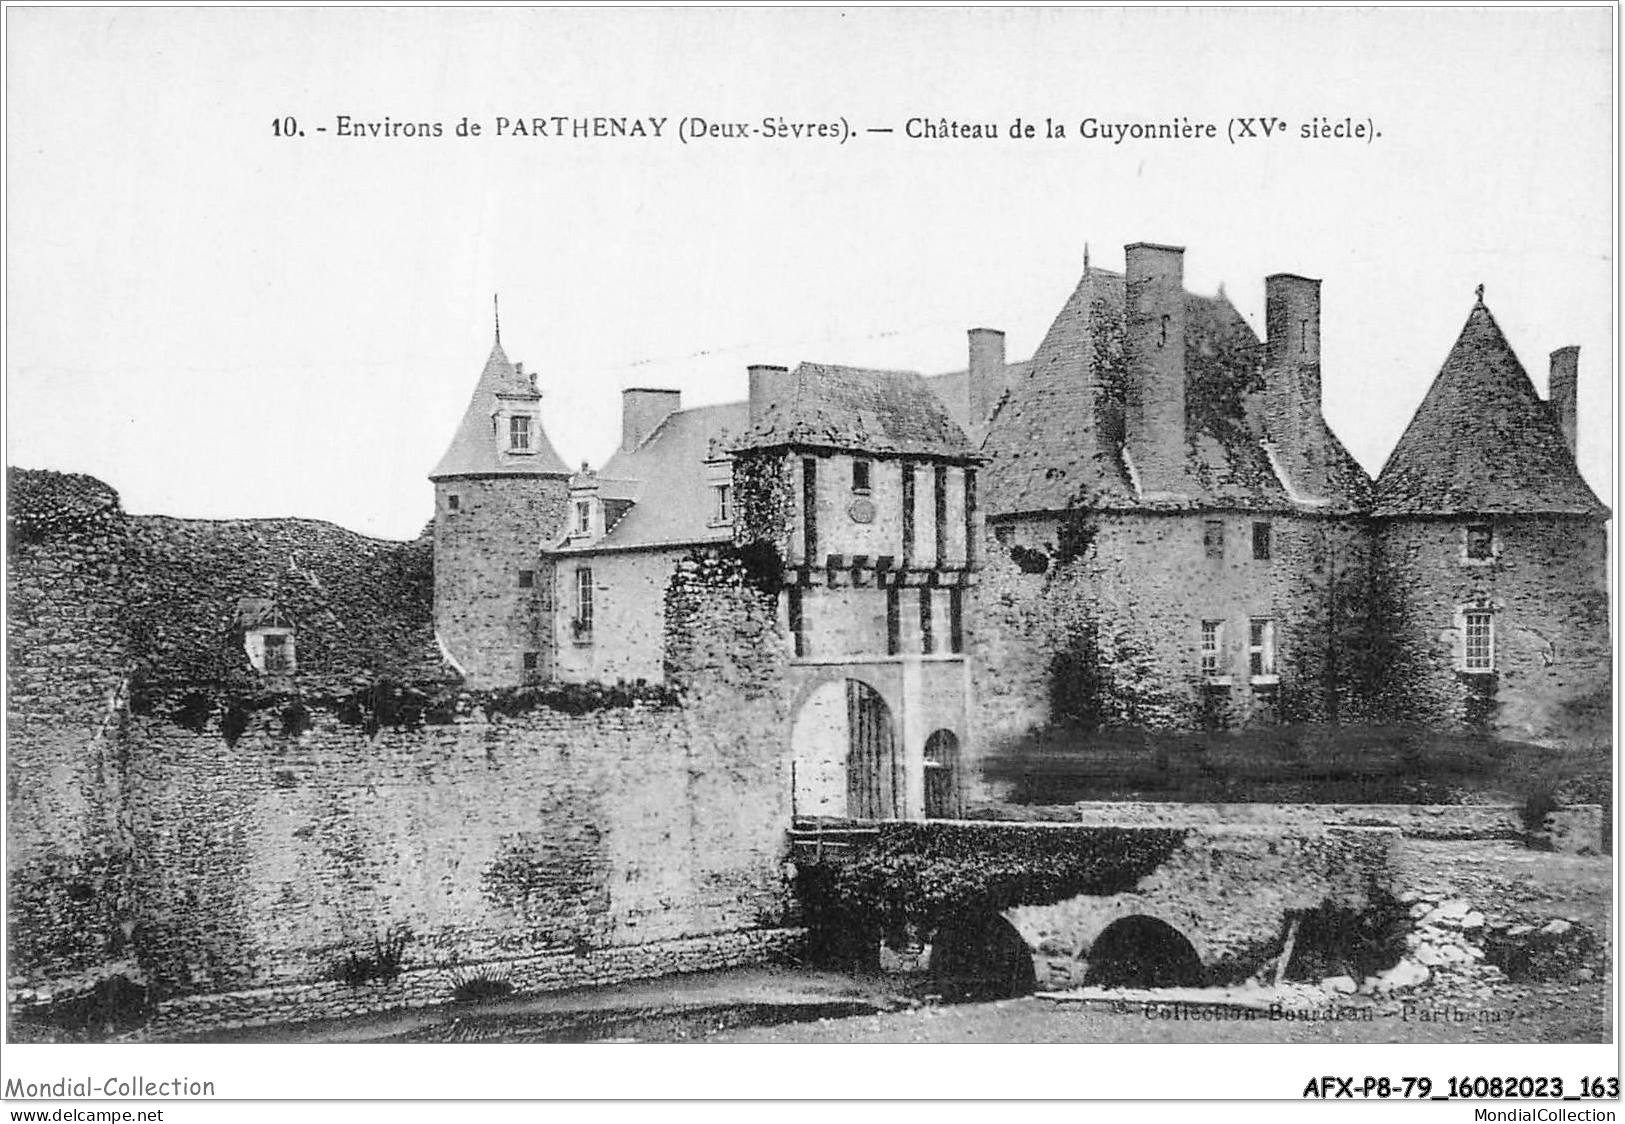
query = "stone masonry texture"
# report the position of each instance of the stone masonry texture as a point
(1545, 586)
(485, 619)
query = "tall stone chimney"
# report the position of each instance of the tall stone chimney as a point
(642, 409)
(1154, 351)
(984, 379)
(1563, 391)
(1292, 418)
(768, 384)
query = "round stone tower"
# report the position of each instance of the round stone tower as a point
(500, 491)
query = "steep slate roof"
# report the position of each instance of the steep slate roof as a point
(1055, 442)
(861, 410)
(1483, 441)
(666, 478)
(474, 450)
(830, 407)
(952, 389)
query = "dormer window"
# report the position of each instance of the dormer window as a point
(583, 517)
(519, 433)
(860, 475)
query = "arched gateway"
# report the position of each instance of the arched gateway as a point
(845, 750)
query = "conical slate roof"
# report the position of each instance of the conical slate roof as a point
(475, 451)
(1483, 441)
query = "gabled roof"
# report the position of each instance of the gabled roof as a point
(665, 477)
(474, 451)
(1056, 440)
(860, 410)
(1483, 441)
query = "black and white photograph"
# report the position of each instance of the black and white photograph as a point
(597, 529)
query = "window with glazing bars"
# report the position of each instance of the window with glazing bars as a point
(1480, 645)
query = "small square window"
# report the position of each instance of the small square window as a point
(1480, 541)
(1005, 533)
(532, 660)
(454, 502)
(1213, 538)
(1479, 650)
(860, 476)
(527, 579)
(1261, 542)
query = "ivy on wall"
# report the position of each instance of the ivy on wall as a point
(764, 499)
(383, 704)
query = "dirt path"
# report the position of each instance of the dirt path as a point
(770, 994)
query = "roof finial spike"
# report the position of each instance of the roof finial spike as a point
(1086, 259)
(1480, 292)
(496, 315)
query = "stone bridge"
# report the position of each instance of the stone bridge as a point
(1147, 905)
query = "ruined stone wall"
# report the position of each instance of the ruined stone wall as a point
(723, 634)
(1098, 620)
(1547, 588)
(67, 644)
(485, 619)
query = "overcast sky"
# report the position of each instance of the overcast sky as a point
(219, 322)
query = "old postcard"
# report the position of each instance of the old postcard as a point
(867, 526)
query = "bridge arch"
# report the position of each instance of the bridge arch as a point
(1142, 950)
(982, 956)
